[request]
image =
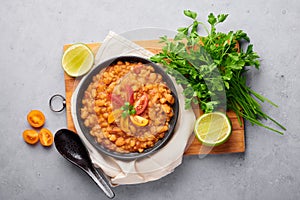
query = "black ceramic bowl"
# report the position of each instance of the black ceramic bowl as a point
(86, 131)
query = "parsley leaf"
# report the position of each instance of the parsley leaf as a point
(128, 109)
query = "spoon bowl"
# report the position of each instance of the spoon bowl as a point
(70, 146)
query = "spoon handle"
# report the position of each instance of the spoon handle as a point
(101, 181)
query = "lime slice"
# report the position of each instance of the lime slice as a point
(77, 60)
(212, 129)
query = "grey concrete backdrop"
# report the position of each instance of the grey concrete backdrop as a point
(32, 35)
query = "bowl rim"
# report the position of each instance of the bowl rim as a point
(85, 82)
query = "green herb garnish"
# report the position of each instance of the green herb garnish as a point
(128, 109)
(212, 69)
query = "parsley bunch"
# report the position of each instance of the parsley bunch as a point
(212, 69)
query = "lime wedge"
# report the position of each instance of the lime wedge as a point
(212, 129)
(77, 60)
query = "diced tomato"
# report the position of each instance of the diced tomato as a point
(109, 96)
(141, 104)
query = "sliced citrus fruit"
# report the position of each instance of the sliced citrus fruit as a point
(77, 60)
(213, 129)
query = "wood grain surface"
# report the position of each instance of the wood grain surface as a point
(235, 144)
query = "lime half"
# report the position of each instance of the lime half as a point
(77, 60)
(212, 129)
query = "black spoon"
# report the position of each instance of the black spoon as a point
(70, 146)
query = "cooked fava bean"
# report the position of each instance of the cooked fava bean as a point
(120, 141)
(113, 138)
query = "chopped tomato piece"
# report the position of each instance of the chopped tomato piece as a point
(111, 118)
(46, 137)
(138, 120)
(30, 136)
(113, 115)
(36, 118)
(141, 104)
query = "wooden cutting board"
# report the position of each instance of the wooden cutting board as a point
(235, 144)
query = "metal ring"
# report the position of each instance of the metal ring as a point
(63, 103)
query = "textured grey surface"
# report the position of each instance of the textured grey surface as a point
(32, 36)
